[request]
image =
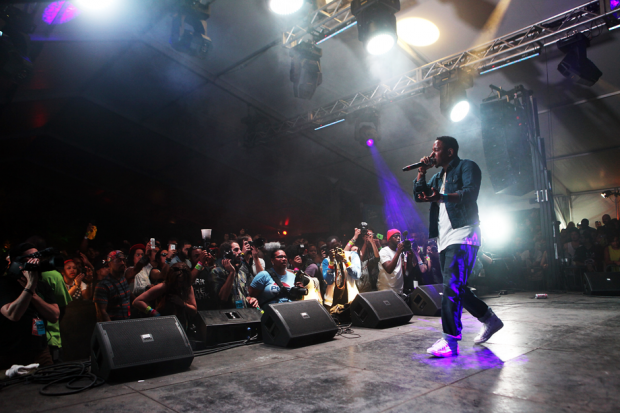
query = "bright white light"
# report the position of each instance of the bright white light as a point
(285, 6)
(417, 31)
(96, 4)
(459, 111)
(380, 44)
(496, 228)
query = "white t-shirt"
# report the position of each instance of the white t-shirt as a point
(142, 280)
(395, 280)
(469, 235)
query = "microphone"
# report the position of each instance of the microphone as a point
(417, 165)
(405, 233)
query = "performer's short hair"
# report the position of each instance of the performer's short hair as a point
(450, 143)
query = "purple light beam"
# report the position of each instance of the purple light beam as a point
(398, 205)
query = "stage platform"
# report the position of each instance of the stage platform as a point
(556, 355)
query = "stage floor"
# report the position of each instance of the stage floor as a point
(554, 355)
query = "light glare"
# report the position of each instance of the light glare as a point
(496, 228)
(417, 31)
(96, 4)
(370, 142)
(459, 111)
(285, 6)
(380, 44)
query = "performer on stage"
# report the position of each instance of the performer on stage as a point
(454, 222)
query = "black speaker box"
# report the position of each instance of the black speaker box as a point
(138, 348)
(506, 147)
(601, 283)
(297, 323)
(225, 326)
(379, 309)
(426, 300)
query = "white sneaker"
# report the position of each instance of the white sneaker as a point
(490, 327)
(442, 348)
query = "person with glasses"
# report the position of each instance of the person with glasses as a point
(112, 296)
(264, 290)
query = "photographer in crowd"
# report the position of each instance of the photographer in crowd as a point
(231, 279)
(275, 285)
(27, 304)
(340, 271)
(391, 264)
(369, 257)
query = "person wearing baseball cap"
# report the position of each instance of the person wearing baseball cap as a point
(391, 264)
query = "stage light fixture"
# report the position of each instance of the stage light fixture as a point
(576, 65)
(417, 31)
(367, 127)
(285, 6)
(608, 194)
(452, 86)
(305, 69)
(376, 24)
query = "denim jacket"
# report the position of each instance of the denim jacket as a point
(463, 177)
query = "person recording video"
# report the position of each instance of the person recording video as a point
(27, 304)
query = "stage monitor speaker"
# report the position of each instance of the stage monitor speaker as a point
(379, 309)
(426, 300)
(601, 283)
(297, 323)
(225, 326)
(506, 147)
(139, 348)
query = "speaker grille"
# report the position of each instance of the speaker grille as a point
(506, 147)
(146, 340)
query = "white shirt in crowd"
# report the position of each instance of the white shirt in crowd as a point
(395, 280)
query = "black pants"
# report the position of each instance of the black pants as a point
(457, 262)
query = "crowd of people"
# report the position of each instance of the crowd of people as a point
(179, 277)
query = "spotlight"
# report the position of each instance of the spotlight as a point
(305, 70)
(367, 127)
(285, 6)
(496, 228)
(609, 194)
(96, 4)
(417, 31)
(452, 86)
(576, 65)
(376, 24)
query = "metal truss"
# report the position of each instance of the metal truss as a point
(513, 47)
(327, 19)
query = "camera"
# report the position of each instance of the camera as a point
(301, 250)
(407, 246)
(297, 293)
(258, 243)
(228, 255)
(364, 228)
(48, 261)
